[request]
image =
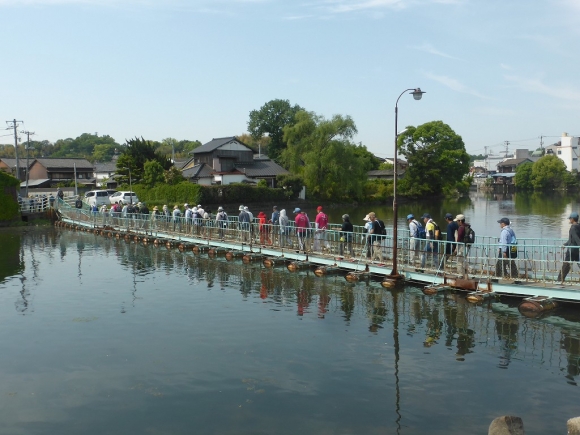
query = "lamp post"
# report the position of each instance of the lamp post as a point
(417, 95)
(130, 188)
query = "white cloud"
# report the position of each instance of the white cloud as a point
(536, 85)
(455, 85)
(428, 48)
(342, 6)
(505, 66)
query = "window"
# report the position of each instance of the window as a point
(559, 152)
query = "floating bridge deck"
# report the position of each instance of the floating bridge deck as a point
(538, 262)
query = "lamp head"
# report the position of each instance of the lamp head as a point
(417, 94)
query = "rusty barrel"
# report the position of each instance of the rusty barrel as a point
(216, 251)
(327, 270)
(298, 265)
(250, 257)
(200, 248)
(231, 255)
(357, 276)
(535, 306)
(273, 261)
(478, 296)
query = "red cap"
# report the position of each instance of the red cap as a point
(319, 208)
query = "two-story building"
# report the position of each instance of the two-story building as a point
(566, 150)
(228, 160)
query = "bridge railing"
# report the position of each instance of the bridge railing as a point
(537, 260)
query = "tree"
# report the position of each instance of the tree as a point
(320, 150)
(549, 172)
(271, 119)
(524, 176)
(136, 154)
(84, 146)
(437, 159)
(173, 176)
(153, 173)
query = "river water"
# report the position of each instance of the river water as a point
(104, 336)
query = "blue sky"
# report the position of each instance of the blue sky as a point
(494, 71)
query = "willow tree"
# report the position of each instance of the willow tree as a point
(321, 151)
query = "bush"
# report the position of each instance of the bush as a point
(8, 203)
(165, 194)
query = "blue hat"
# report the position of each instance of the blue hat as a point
(573, 215)
(505, 221)
(296, 210)
(410, 216)
(448, 216)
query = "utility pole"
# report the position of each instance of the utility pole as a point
(507, 144)
(542, 142)
(15, 125)
(27, 133)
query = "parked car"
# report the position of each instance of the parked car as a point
(111, 191)
(96, 197)
(124, 197)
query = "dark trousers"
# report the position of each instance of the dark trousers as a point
(571, 255)
(506, 267)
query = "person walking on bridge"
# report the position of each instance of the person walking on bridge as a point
(508, 250)
(573, 252)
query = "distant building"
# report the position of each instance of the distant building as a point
(566, 150)
(62, 170)
(228, 160)
(105, 172)
(9, 166)
(510, 165)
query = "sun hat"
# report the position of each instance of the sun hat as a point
(367, 218)
(573, 215)
(155, 208)
(410, 216)
(319, 208)
(459, 217)
(449, 216)
(426, 216)
(220, 208)
(241, 208)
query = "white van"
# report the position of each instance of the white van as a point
(96, 197)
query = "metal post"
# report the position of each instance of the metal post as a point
(417, 94)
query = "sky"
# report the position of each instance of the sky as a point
(494, 71)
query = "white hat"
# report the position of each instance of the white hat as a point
(241, 208)
(220, 208)
(459, 217)
(367, 218)
(246, 208)
(186, 205)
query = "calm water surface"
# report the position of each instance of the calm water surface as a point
(101, 336)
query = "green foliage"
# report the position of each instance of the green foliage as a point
(437, 159)
(136, 154)
(153, 173)
(320, 150)
(549, 172)
(386, 166)
(523, 177)
(291, 183)
(181, 147)
(378, 190)
(167, 194)
(8, 205)
(262, 183)
(90, 146)
(240, 193)
(271, 119)
(173, 176)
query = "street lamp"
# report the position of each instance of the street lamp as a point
(130, 188)
(417, 95)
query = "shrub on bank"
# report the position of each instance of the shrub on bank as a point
(8, 203)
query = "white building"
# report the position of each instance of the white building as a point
(567, 151)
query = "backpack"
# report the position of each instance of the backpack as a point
(421, 233)
(383, 228)
(469, 235)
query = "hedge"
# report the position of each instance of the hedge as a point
(198, 194)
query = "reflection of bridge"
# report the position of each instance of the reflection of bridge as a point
(551, 343)
(538, 261)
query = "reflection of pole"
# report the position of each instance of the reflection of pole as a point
(397, 356)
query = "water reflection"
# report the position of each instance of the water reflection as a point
(352, 347)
